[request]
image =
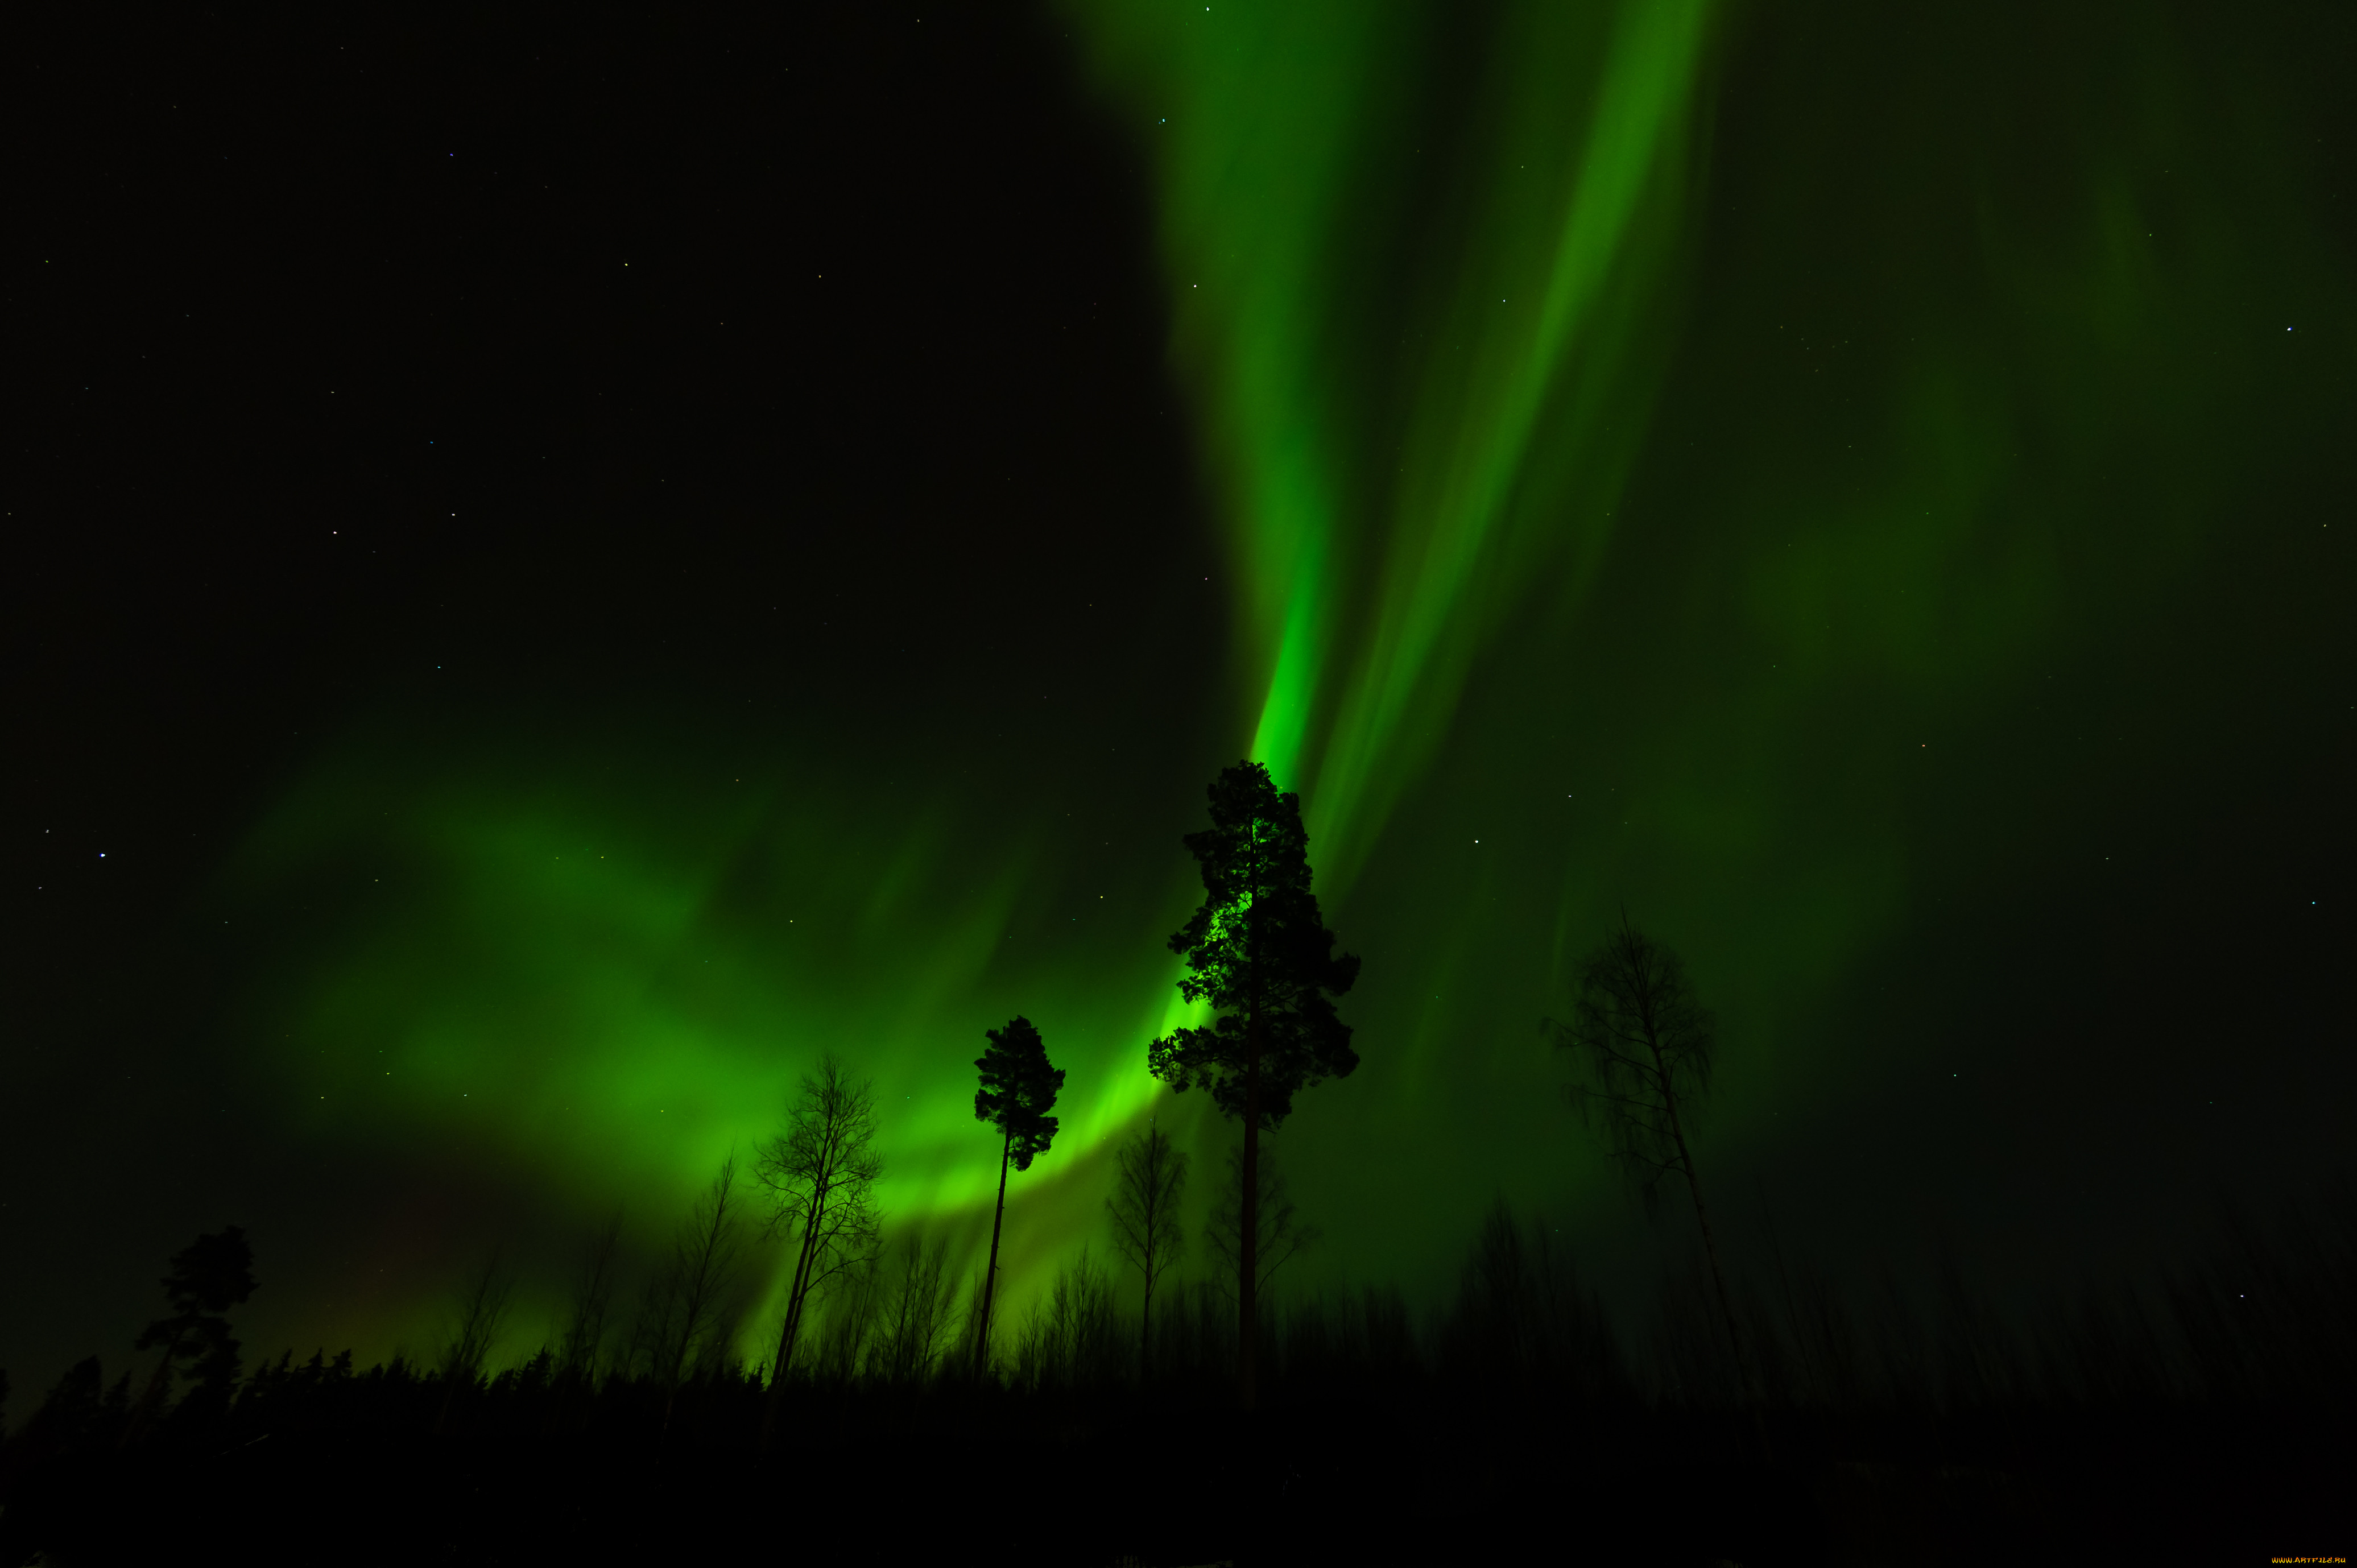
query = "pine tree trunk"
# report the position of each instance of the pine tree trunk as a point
(1248, 1283)
(1248, 1228)
(990, 1280)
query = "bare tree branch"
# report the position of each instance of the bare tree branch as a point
(820, 1173)
(1144, 1206)
(1644, 1043)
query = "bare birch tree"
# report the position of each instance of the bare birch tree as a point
(821, 1172)
(1152, 1180)
(919, 1314)
(700, 1276)
(849, 1342)
(582, 1341)
(1644, 1041)
(481, 1308)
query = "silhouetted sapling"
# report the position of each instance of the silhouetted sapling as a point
(1018, 1089)
(1151, 1182)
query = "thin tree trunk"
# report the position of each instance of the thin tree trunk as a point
(790, 1331)
(990, 1279)
(793, 1325)
(1792, 1308)
(1248, 1286)
(1709, 1246)
(1693, 1182)
(143, 1413)
(1248, 1237)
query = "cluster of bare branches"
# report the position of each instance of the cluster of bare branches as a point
(581, 1341)
(1644, 1042)
(1281, 1236)
(687, 1324)
(919, 1317)
(1074, 1335)
(820, 1173)
(1150, 1185)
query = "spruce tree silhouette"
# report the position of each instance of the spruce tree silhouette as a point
(1258, 951)
(1645, 1042)
(1018, 1090)
(208, 1276)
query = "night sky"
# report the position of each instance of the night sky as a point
(557, 569)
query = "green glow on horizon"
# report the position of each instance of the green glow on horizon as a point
(614, 986)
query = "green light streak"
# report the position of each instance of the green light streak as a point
(1262, 124)
(1467, 453)
(1250, 113)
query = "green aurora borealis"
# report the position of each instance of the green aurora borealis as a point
(1851, 488)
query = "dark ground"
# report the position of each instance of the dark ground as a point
(1335, 1486)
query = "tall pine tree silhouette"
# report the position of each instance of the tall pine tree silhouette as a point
(1018, 1089)
(208, 1276)
(1259, 953)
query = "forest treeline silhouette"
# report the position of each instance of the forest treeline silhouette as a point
(2120, 1414)
(1168, 1416)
